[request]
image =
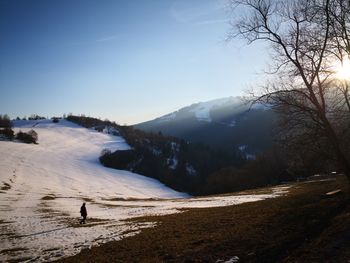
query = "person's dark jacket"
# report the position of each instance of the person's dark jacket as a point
(83, 211)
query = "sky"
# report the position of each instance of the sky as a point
(125, 60)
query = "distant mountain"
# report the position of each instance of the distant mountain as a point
(227, 123)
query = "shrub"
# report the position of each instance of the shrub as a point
(105, 152)
(119, 159)
(55, 120)
(7, 133)
(29, 137)
(5, 121)
(35, 117)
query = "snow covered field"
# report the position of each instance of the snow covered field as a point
(43, 186)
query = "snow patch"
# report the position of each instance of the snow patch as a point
(175, 147)
(168, 117)
(243, 147)
(234, 259)
(156, 152)
(172, 163)
(190, 169)
(202, 109)
(110, 130)
(232, 123)
(249, 156)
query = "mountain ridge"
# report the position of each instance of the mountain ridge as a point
(232, 122)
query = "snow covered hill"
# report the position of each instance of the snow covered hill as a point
(66, 159)
(227, 123)
(202, 111)
(43, 186)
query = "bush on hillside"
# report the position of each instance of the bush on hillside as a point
(5, 127)
(27, 137)
(5, 121)
(105, 152)
(35, 117)
(55, 119)
(118, 159)
(8, 133)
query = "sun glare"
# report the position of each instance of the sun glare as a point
(343, 70)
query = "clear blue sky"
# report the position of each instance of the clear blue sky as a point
(128, 61)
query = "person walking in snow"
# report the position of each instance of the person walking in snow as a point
(83, 213)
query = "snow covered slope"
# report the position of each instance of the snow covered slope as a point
(225, 123)
(43, 186)
(202, 109)
(64, 167)
(66, 162)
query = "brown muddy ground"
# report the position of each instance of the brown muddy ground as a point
(302, 226)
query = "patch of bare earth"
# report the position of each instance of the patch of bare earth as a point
(283, 229)
(5, 186)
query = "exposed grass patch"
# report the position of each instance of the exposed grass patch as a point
(49, 197)
(122, 205)
(257, 191)
(2, 222)
(131, 199)
(13, 250)
(86, 199)
(333, 242)
(5, 186)
(273, 230)
(8, 235)
(51, 249)
(19, 260)
(90, 222)
(46, 212)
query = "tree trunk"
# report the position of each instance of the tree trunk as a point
(341, 156)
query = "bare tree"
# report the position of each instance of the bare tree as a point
(340, 21)
(307, 39)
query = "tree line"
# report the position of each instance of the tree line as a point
(7, 133)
